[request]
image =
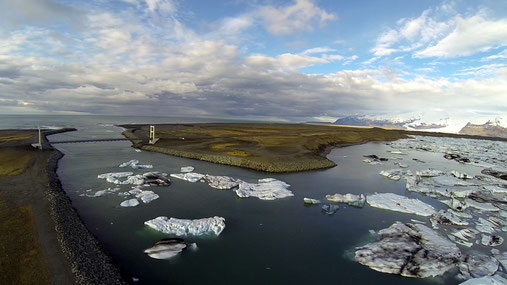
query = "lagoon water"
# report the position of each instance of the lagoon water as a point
(264, 242)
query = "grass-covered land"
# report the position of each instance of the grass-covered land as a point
(14, 160)
(265, 147)
(22, 260)
(16, 137)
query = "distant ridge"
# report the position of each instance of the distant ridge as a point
(488, 129)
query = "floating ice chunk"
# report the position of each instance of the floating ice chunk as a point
(460, 241)
(455, 204)
(402, 165)
(411, 250)
(397, 152)
(311, 201)
(493, 240)
(137, 150)
(393, 174)
(486, 280)
(484, 226)
(351, 199)
(111, 177)
(488, 207)
(429, 172)
(129, 203)
(166, 248)
(214, 225)
(156, 178)
(393, 202)
(102, 192)
(477, 265)
(129, 163)
(371, 161)
(465, 234)
(495, 189)
(186, 169)
(190, 176)
(265, 189)
(444, 217)
(142, 166)
(461, 175)
(221, 182)
(147, 196)
(134, 180)
(330, 209)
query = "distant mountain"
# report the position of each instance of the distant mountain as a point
(367, 122)
(489, 129)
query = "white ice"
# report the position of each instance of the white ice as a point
(190, 176)
(265, 189)
(394, 202)
(180, 227)
(129, 203)
(186, 169)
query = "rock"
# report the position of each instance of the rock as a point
(129, 203)
(486, 280)
(190, 177)
(221, 182)
(411, 250)
(374, 159)
(478, 265)
(495, 173)
(493, 240)
(214, 225)
(330, 209)
(186, 169)
(393, 174)
(311, 201)
(393, 202)
(351, 199)
(265, 189)
(166, 248)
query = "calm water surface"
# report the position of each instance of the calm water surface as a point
(264, 242)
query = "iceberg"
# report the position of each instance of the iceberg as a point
(393, 174)
(134, 163)
(129, 203)
(411, 250)
(102, 192)
(330, 209)
(167, 248)
(429, 173)
(394, 202)
(488, 207)
(493, 240)
(351, 199)
(180, 227)
(190, 176)
(265, 189)
(221, 182)
(445, 218)
(477, 265)
(486, 280)
(311, 201)
(186, 169)
(147, 196)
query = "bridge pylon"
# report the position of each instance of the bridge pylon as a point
(153, 140)
(39, 144)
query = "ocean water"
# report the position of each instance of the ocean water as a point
(264, 242)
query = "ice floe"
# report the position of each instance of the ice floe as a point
(330, 209)
(129, 203)
(134, 163)
(186, 169)
(221, 182)
(180, 227)
(374, 159)
(190, 176)
(393, 174)
(311, 201)
(168, 248)
(493, 240)
(486, 280)
(477, 265)
(150, 178)
(394, 202)
(411, 250)
(264, 189)
(351, 199)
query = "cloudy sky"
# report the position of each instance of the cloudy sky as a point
(294, 60)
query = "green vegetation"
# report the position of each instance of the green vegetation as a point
(22, 260)
(16, 137)
(265, 147)
(14, 161)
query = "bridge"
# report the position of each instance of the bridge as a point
(99, 140)
(151, 140)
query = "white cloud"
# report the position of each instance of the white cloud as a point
(500, 55)
(288, 19)
(318, 50)
(471, 35)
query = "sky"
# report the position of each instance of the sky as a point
(294, 60)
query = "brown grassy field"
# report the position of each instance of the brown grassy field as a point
(22, 260)
(265, 147)
(14, 160)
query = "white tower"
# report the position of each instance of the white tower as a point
(153, 140)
